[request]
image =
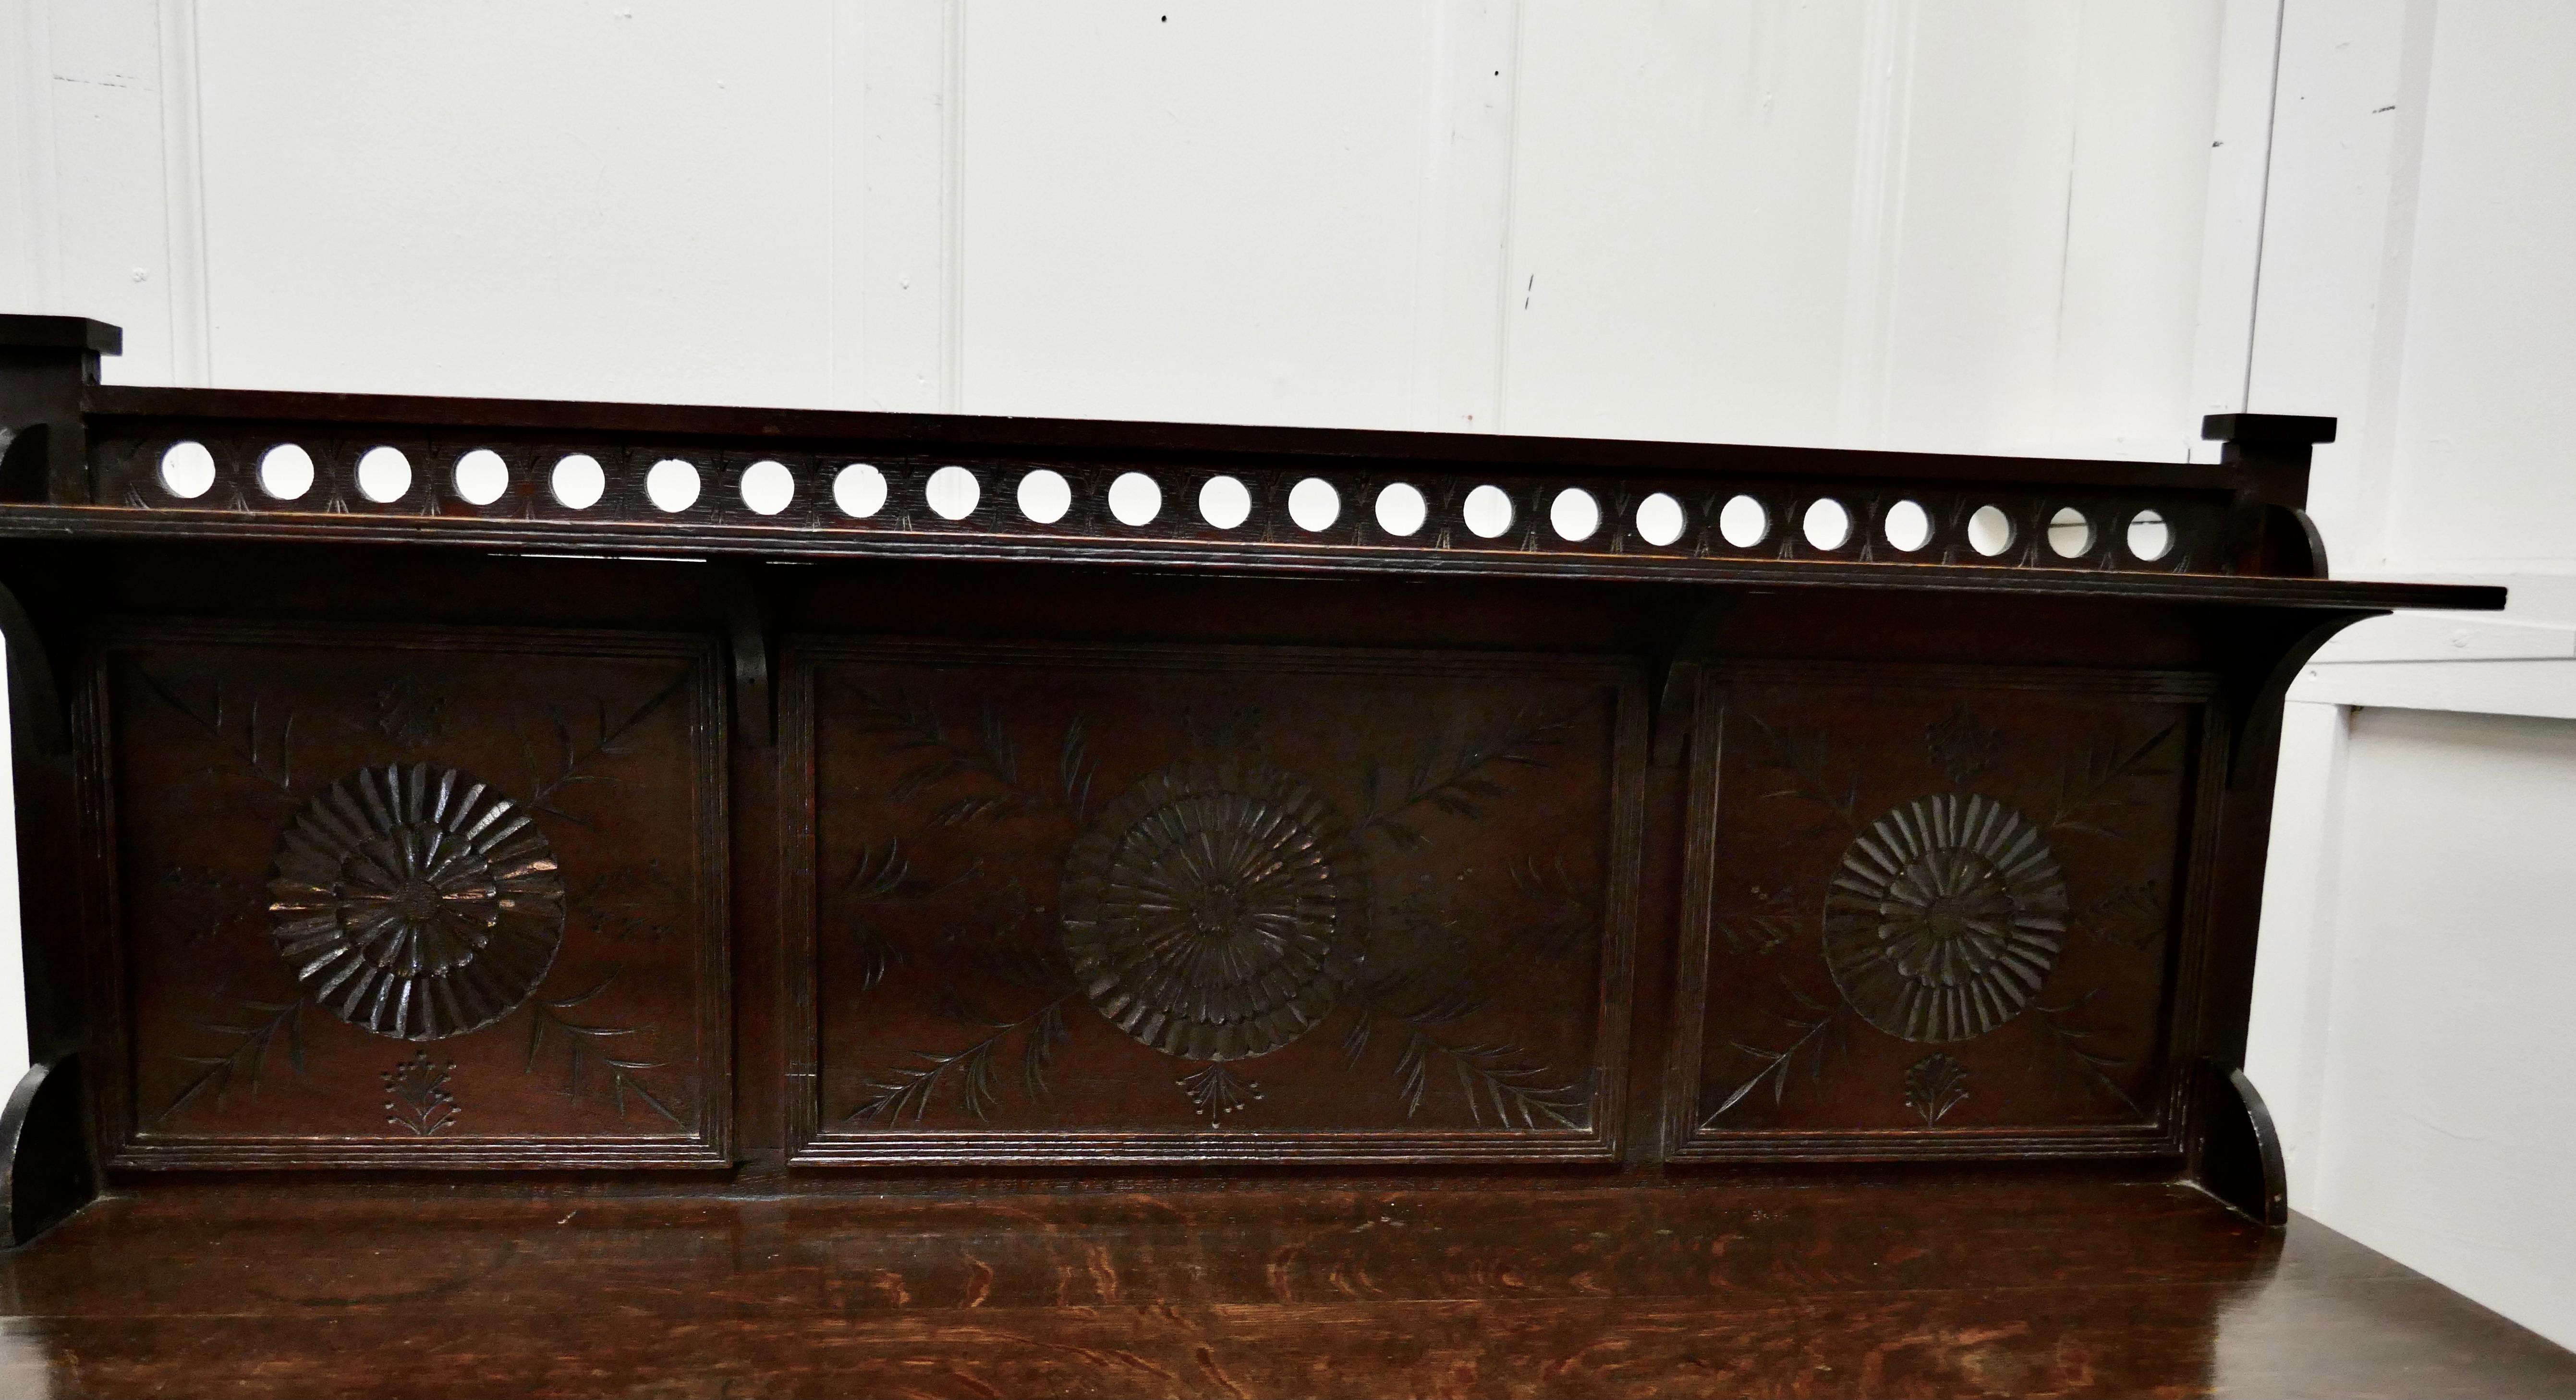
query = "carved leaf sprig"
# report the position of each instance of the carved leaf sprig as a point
(1461, 783)
(1961, 747)
(909, 1088)
(585, 1045)
(2076, 1059)
(886, 877)
(1561, 914)
(269, 760)
(1217, 1091)
(1821, 1033)
(1494, 1077)
(577, 748)
(1765, 928)
(1074, 768)
(2091, 783)
(420, 1102)
(247, 1060)
(1936, 1084)
(912, 725)
(1803, 759)
(408, 712)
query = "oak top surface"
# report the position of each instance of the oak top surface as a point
(1932, 1287)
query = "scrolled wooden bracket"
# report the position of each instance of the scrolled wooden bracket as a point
(37, 719)
(2238, 1156)
(46, 1174)
(2261, 685)
(754, 699)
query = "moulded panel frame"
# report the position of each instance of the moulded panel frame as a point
(1685, 1140)
(811, 1143)
(123, 1144)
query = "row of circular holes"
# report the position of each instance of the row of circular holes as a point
(384, 474)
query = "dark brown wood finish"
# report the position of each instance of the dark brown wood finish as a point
(2051, 1286)
(1004, 836)
(415, 822)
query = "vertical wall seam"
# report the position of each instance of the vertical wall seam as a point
(952, 194)
(1511, 200)
(188, 275)
(2263, 204)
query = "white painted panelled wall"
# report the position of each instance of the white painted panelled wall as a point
(2043, 226)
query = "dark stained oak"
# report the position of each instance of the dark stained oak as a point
(520, 907)
(1935, 1287)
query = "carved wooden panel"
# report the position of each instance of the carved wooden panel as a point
(1168, 904)
(403, 897)
(1936, 911)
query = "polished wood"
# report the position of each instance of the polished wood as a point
(375, 820)
(1933, 1287)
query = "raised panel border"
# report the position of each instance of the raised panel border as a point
(810, 1144)
(1684, 1141)
(122, 1146)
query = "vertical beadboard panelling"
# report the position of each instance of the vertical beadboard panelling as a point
(2147, 90)
(1681, 195)
(604, 200)
(1470, 103)
(2231, 241)
(2481, 477)
(1188, 209)
(904, 257)
(2326, 219)
(109, 197)
(1988, 154)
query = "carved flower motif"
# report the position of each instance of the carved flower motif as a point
(1946, 916)
(416, 903)
(1214, 911)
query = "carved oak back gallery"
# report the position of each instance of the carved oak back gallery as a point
(471, 786)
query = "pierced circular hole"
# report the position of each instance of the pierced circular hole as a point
(1134, 499)
(1990, 531)
(672, 485)
(1224, 502)
(1743, 523)
(384, 474)
(1401, 509)
(1487, 511)
(286, 471)
(1827, 524)
(187, 470)
(2150, 538)
(1574, 515)
(1907, 525)
(1660, 520)
(1314, 505)
(578, 482)
(952, 493)
(767, 487)
(481, 476)
(2070, 535)
(1045, 496)
(859, 490)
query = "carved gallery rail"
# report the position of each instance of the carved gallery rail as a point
(1024, 796)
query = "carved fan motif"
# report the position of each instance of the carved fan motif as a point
(1946, 916)
(416, 903)
(1215, 910)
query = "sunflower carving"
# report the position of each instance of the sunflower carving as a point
(416, 903)
(1214, 911)
(1945, 917)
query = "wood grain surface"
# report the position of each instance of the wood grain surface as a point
(2044, 1286)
